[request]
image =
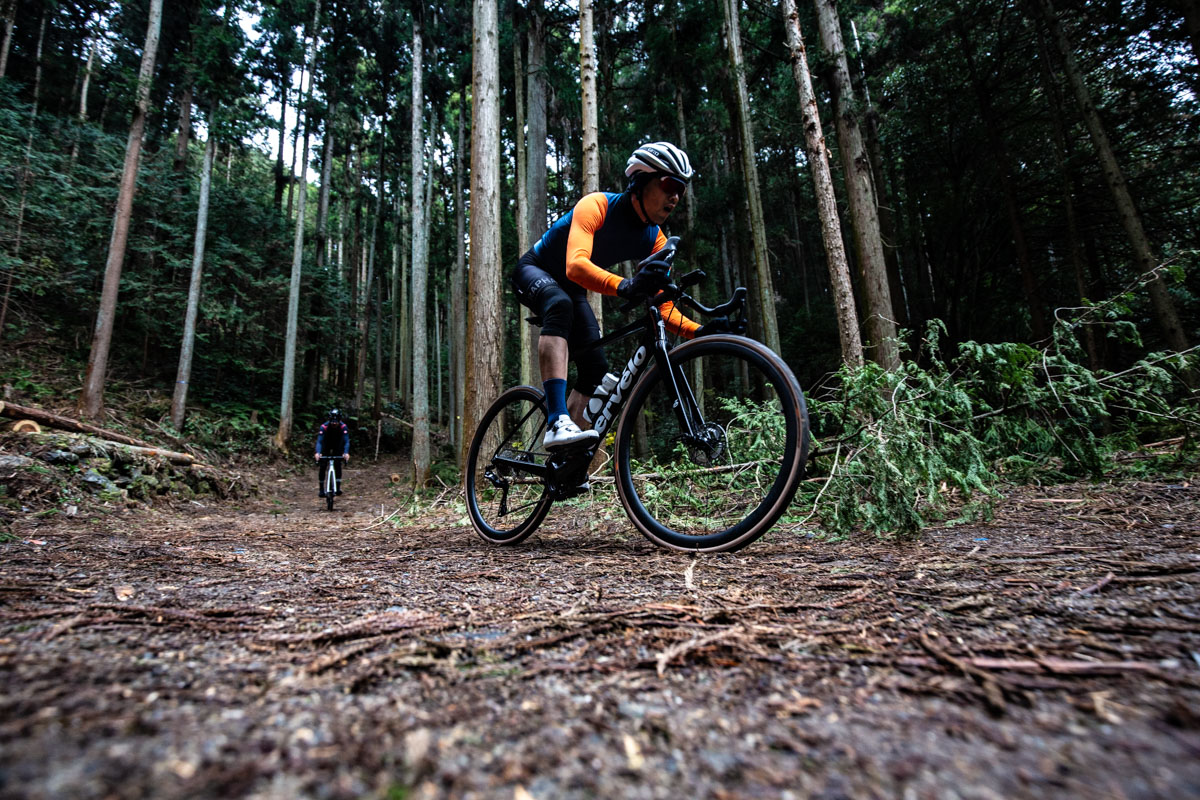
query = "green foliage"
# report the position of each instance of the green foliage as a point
(904, 449)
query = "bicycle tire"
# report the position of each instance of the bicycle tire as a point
(725, 489)
(330, 485)
(505, 503)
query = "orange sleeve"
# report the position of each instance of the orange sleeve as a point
(587, 218)
(677, 322)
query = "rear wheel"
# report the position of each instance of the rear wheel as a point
(507, 492)
(725, 482)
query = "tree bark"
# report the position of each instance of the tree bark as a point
(766, 291)
(528, 334)
(1160, 299)
(10, 16)
(283, 435)
(818, 159)
(184, 137)
(83, 98)
(484, 326)
(535, 142)
(860, 192)
(326, 177)
(184, 373)
(280, 180)
(364, 326)
(397, 246)
(420, 363)
(458, 298)
(91, 400)
(591, 130)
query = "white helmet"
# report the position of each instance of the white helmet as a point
(660, 157)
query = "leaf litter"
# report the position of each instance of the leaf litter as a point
(267, 648)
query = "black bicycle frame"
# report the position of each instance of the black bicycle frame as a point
(567, 467)
(654, 341)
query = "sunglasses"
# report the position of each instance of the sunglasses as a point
(671, 185)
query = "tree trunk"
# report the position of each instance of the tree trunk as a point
(484, 325)
(420, 362)
(528, 334)
(535, 143)
(83, 99)
(280, 180)
(1160, 299)
(326, 177)
(818, 159)
(364, 326)
(591, 129)
(766, 292)
(377, 401)
(458, 299)
(689, 204)
(10, 16)
(397, 245)
(293, 315)
(183, 139)
(179, 400)
(91, 400)
(860, 192)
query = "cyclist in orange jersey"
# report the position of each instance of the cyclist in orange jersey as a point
(572, 257)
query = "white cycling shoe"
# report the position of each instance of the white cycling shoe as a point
(563, 431)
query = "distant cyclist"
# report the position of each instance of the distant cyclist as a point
(553, 278)
(333, 438)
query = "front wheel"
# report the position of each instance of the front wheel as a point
(507, 490)
(716, 472)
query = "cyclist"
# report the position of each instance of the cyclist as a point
(574, 255)
(333, 437)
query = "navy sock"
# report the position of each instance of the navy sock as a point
(556, 397)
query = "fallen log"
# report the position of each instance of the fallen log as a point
(67, 424)
(169, 455)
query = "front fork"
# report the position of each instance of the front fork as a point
(687, 409)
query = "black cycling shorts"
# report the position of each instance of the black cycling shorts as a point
(564, 312)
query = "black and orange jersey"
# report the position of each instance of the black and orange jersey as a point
(602, 230)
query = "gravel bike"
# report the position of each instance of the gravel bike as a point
(332, 484)
(710, 444)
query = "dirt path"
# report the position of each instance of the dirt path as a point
(275, 650)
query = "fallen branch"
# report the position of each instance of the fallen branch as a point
(66, 423)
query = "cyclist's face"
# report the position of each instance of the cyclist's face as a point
(659, 199)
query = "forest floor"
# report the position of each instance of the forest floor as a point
(268, 648)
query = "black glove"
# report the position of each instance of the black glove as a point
(644, 283)
(714, 325)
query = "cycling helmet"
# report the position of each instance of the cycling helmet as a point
(660, 158)
(335, 415)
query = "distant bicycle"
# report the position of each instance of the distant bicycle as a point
(332, 484)
(711, 438)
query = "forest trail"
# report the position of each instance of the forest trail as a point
(272, 649)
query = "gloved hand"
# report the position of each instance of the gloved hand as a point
(663, 257)
(644, 283)
(714, 325)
